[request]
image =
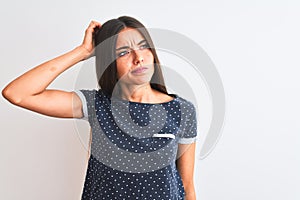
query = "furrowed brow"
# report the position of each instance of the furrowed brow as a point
(124, 47)
(127, 47)
(141, 42)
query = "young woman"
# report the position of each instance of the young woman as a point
(143, 139)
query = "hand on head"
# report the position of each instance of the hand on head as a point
(88, 41)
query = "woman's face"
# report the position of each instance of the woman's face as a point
(134, 58)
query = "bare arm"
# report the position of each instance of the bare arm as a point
(185, 165)
(30, 89)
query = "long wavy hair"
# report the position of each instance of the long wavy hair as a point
(105, 52)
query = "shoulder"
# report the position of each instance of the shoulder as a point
(186, 106)
(91, 97)
(93, 93)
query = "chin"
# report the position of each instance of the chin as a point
(136, 80)
(140, 81)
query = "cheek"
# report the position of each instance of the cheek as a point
(122, 68)
(150, 57)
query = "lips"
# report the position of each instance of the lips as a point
(139, 70)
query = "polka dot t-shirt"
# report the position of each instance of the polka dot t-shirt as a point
(134, 147)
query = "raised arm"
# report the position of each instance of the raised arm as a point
(30, 89)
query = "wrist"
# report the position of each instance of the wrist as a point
(190, 192)
(84, 52)
(190, 196)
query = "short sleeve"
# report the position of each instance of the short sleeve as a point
(84, 104)
(90, 99)
(188, 133)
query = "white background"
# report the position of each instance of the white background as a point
(255, 47)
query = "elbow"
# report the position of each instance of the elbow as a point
(5, 93)
(9, 95)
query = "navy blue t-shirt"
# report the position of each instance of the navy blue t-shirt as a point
(134, 147)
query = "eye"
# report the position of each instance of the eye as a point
(144, 46)
(123, 53)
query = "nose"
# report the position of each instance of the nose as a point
(138, 57)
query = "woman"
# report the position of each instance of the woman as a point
(143, 139)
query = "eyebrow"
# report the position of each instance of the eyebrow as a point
(127, 47)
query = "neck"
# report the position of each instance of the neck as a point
(137, 93)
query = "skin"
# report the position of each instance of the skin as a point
(185, 166)
(134, 53)
(30, 89)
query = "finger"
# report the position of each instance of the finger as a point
(94, 24)
(92, 27)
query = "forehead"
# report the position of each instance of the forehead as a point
(129, 36)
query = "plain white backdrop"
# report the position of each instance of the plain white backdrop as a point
(255, 47)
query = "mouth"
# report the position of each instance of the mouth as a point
(139, 70)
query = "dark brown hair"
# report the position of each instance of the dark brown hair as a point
(105, 42)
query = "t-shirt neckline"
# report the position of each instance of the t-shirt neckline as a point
(175, 97)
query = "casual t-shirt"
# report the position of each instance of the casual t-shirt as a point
(134, 146)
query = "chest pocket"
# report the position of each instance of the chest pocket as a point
(164, 135)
